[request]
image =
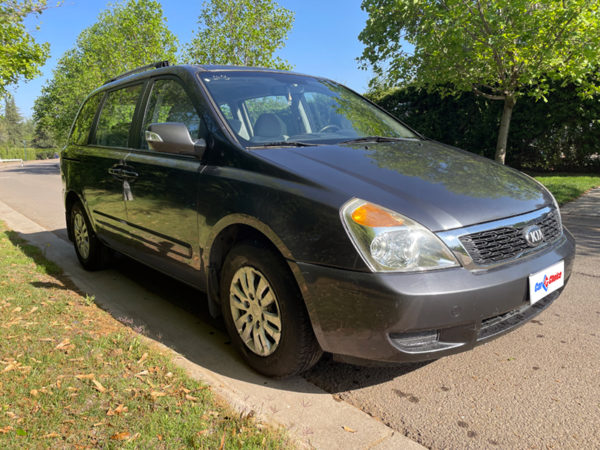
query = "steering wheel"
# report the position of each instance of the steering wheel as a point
(329, 129)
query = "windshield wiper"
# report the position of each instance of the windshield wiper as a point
(283, 144)
(375, 139)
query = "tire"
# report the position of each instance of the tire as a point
(265, 314)
(92, 254)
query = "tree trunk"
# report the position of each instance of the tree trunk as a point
(509, 104)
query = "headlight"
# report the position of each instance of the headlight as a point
(389, 242)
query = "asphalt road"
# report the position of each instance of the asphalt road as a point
(538, 387)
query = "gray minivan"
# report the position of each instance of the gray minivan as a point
(314, 220)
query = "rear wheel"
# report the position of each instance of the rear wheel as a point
(92, 254)
(265, 313)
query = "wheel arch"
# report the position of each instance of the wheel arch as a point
(226, 233)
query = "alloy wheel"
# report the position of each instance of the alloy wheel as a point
(255, 311)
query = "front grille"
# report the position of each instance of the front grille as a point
(501, 244)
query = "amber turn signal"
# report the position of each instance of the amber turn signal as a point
(371, 215)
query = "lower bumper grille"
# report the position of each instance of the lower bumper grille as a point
(504, 322)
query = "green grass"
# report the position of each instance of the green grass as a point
(567, 187)
(72, 376)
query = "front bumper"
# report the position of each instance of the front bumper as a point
(403, 317)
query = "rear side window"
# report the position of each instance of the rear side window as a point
(83, 123)
(170, 103)
(116, 116)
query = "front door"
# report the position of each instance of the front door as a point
(162, 197)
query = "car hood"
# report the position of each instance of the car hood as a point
(438, 186)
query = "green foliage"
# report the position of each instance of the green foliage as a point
(13, 129)
(560, 134)
(243, 33)
(131, 34)
(500, 49)
(28, 153)
(11, 123)
(498, 46)
(20, 55)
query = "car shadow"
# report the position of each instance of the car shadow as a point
(177, 316)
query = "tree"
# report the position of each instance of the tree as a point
(131, 34)
(20, 55)
(242, 32)
(12, 132)
(499, 49)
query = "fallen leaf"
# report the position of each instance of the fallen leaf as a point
(5, 429)
(99, 424)
(9, 367)
(51, 435)
(17, 309)
(63, 343)
(89, 376)
(34, 392)
(98, 385)
(143, 358)
(156, 394)
(120, 436)
(118, 410)
(348, 429)
(222, 442)
(191, 398)
(201, 433)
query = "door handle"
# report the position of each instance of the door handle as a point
(122, 171)
(129, 173)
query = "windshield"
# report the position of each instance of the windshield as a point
(265, 108)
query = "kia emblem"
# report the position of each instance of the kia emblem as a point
(533, 235)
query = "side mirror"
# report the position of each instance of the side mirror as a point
(174, 137)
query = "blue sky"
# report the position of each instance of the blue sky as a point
(323, 41)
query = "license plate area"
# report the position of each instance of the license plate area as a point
(546, 281)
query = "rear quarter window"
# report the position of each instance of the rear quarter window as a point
(83, 124)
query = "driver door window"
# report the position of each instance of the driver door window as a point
(170, 103)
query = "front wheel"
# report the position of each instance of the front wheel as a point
(265, 314)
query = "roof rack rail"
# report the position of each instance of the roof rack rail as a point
(156, 65)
